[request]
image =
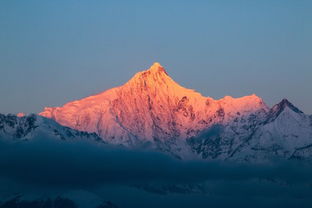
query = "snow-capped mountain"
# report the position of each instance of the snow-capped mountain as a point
(286, 133)
(154, 112)
(18, 128)
(151, 108)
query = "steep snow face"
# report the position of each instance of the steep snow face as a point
(14, 128)
(153, 107)
(286, 133)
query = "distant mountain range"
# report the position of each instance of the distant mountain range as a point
(152, 111)
(14, 128)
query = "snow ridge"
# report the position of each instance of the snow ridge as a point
(15, 128)
(152, 109)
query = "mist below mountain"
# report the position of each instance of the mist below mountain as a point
(154, 143)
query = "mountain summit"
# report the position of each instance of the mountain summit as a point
(285, 104)
(150, 105)
(151, 108)
(156, 67)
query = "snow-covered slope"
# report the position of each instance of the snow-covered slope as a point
(286, 133)
(153, 108)
(17, 128)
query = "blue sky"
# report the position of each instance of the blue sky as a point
(52, 52)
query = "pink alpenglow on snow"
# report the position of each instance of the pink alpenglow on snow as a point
(20, 114)
(152, 105)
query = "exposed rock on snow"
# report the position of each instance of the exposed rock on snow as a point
(153, 109)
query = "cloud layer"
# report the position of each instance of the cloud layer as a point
(117, 173)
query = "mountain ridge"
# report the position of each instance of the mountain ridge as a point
(27, 127)
(151, 108)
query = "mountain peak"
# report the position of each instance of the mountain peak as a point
(155, 74)
(151, 105)
(20, 114)
(285, 103)
(156, 67)
(277, 109)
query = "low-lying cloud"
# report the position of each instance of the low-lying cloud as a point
(81, 165)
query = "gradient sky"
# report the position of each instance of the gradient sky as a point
(52, 52)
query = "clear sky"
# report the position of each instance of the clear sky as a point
(52, 52)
